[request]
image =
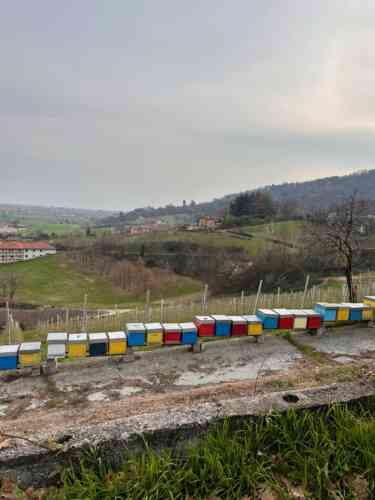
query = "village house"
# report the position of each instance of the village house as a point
(17, 251)
(208, 222)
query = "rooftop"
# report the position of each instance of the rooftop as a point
(22, 245)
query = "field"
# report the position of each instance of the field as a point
(51, 228)
(327, 454)
(55, 281)
(260, 241)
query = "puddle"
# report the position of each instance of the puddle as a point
(343, 359)
(246, 371)
(97, 396)
(3, 410)
(128, 391)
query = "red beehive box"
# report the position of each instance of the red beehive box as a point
(205, 325)
(239, 326)
(172, 333)
(286, 319)
(314, 320)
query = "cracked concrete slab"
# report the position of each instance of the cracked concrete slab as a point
(171, 386)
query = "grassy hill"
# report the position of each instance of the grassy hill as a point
(56, 281)
(258, 241)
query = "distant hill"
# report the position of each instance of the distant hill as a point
(305, 195)
(25, 213)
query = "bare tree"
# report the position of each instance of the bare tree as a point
(9, 284)
(337, 232)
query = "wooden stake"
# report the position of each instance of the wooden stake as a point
(258, 295)
(305, 290)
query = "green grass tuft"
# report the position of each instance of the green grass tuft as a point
(324, 454)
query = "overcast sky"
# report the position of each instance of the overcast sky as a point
(124, 103)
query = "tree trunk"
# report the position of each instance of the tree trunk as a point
(349, 280)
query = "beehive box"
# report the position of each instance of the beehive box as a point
(77, 345)
(314, 319)
(29, 354)
(370, 301)
(9, 357)
(286, 319)
(136, 334)
(98, 344)
(300, 319)
(239, 326)
(343, 312)
(327, 311)
(116, 343)
(205, 325)
(172, 333)
(355, 311)
(189, 333)
(56, 344)
(223, 325)
(367, 312)
(254, 325)
(154, 333)
(270, 318)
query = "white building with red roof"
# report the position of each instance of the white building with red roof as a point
(16, 251)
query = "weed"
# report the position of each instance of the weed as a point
(326, 454)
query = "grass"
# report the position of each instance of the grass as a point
(319, 454)
(212, 239)
(287, 231)
(52, 228)
(56, 281)
(308, 351)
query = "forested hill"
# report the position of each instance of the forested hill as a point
(307, 195)
(326, 191)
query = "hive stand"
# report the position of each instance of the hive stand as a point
(50, 367)
(197, 347)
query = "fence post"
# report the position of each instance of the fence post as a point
(305, 290)
(204, 298)
(258, 294)
(242, 302)
(161, 310)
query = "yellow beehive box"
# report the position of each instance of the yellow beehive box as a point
(367, 313)
(254, 325)
(77, 345)
(343, 313)
(29, 354)
(369, 300)
(154, 333)
(117, 343)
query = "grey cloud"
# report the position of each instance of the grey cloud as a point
(122, 104)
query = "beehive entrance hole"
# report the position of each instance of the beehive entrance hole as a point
(290, 398)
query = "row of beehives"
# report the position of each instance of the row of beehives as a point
(79, 345)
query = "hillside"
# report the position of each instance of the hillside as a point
(307, 195)
(56, 281)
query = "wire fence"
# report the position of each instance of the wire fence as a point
(178, 311)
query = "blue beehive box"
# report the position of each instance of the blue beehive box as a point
(8, 357)
(98, 344)
(189, 333)
(223, 325)
(136, 333)
(355, 311)
(270, 318)
(327, 311)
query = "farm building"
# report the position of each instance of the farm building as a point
(16, 251)
(207, 222)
